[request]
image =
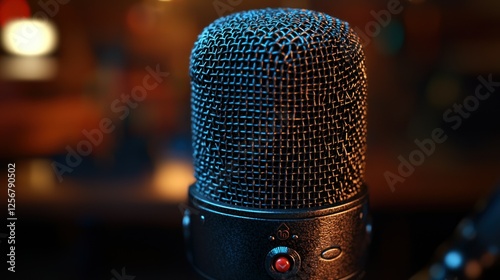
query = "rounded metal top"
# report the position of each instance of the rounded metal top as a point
(278, 110)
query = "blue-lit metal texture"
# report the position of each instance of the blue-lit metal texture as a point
(278, 110)
(279, 139)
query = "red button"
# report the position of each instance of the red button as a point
(282, 264)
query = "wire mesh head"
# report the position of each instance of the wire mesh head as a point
(278, 110)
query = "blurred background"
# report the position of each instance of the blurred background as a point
(95, 114)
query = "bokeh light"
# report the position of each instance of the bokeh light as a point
(453, 259)
(13, 9)
(29, 37)
(28, 68)
(391, 38)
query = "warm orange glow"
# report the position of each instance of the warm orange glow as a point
(41, 176)
(173, 178)
(142, 18)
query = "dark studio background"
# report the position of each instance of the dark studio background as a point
(120, 206)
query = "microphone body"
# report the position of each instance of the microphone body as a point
(279, 138)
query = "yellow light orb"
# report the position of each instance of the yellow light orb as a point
(29, 37)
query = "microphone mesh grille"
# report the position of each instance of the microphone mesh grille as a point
(278, 110)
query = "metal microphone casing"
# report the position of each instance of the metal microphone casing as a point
(279, 139)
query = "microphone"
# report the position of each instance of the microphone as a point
(279, 108)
